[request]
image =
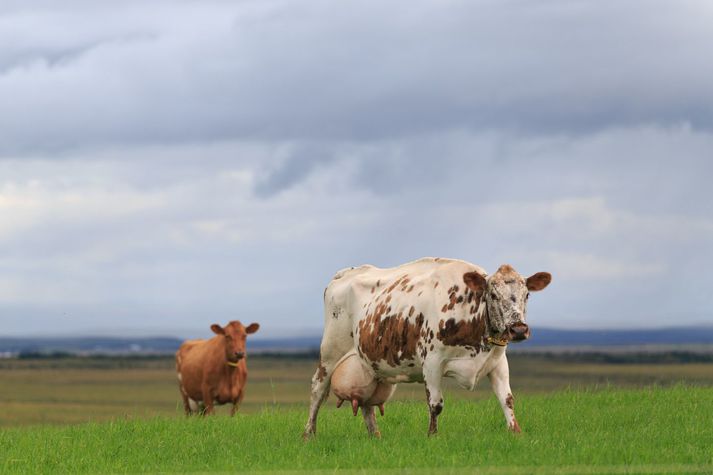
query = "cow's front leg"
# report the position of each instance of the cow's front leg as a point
(433, 379)
(208, 399)
(500, 380)
(236, 403)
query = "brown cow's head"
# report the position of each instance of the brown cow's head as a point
(234, 335)
(506, 294)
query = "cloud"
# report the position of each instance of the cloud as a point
(275, 71)
(170, 164)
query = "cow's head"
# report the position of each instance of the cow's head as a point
(234, 335)
(505, 294)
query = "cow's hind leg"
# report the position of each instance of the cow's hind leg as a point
(370, 420)
(500, 380)
(320, 392)
(186, 404)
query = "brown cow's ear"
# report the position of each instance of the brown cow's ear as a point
(217, 329)
(252, 328)
(538, 281)
(474, 281)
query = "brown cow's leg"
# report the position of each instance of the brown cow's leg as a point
(370, 420)
(207, 400)
(320, 391)
(236, 404)
(186, 405)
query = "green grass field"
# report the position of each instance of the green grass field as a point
(76, 390)
(122, 415)
(656, 430)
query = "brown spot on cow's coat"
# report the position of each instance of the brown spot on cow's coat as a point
(351, 334)
(452, 300)
(411, 310)
(462, 333)
(322, 372)
(435, 285)
(391, 338)
(378, 283)
(410, 288)
(419, 294)
(373, 289)
(444, 308)
(509, 402)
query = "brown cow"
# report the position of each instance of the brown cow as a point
(214, 371)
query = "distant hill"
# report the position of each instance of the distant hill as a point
(663, 336)
(541, 337)
(152, 345)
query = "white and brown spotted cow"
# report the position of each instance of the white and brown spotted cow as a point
(419, 322)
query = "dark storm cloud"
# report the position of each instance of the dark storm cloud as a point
(170, 72)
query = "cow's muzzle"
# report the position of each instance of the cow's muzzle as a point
(239, 355)
(518, 331)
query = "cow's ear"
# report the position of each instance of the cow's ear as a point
(538, 281)
(474, 281)
(217, 329)
(252, 328)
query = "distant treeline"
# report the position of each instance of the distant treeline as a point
(662, 357)
(543, 338)
(65, 359)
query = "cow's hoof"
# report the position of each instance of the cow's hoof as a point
(376, 435)
(515, 427)
(307, 436)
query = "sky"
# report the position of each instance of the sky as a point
(170, 164)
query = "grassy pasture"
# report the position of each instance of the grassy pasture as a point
(75, 390)
(655, 430)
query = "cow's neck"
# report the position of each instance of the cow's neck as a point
(489, 339)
